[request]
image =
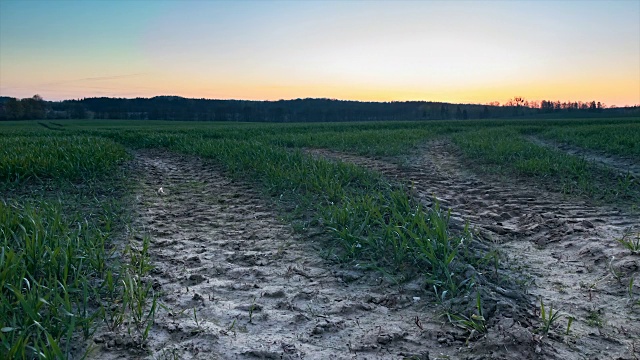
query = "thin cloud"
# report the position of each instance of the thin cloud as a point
(91, 79)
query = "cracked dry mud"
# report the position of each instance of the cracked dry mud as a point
(259, 291)
(566, 247)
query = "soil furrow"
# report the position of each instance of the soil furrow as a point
(566, 249)
(237, 283)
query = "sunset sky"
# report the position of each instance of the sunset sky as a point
(455, 51)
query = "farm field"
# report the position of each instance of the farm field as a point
(424, 240)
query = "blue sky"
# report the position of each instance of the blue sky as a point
(458, 51)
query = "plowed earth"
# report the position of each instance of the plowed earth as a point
(238, 283)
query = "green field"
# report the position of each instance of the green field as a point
(65, 185)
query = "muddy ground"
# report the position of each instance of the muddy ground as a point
(238, 283)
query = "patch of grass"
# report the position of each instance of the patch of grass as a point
(507, 152)
(73, 158)
(393, 231)
(475, 324)
(139, 300)
(616, 139)
(61, 201)
(631, 242)
(48, 267)
(368, 142)
(594, 319)
(570, 320)
(549, 317)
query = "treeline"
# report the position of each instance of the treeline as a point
(298, 110)
(28, 108)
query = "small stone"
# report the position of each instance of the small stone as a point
(588, 224)
(275, 294)
(251, 307)
(196, 278)
(384, 339)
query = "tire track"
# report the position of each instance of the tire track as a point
(239, 284)
(566, 248)
(621, 165)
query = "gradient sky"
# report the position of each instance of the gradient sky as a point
(455, 51)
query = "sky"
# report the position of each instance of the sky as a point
(451, 51)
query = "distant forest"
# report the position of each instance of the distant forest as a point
(298, 110)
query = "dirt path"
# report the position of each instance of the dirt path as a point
(564, 248)
(620, 165)
(258, 290)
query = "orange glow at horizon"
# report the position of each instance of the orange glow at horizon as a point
(458, 52)
(148, 85)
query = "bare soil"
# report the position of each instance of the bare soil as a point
(565, 248)
(239, 283)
